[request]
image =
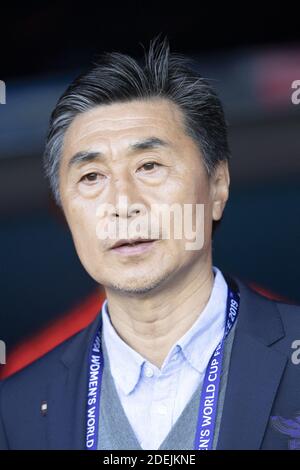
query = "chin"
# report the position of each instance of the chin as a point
(138, 285)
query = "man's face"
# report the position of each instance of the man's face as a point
(166, 169)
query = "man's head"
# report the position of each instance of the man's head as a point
(153, 133)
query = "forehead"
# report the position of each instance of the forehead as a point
(115, 123)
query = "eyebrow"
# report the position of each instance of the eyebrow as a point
(145, 144)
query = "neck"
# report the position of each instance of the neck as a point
(152, 324)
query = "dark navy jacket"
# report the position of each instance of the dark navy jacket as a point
(262, 402)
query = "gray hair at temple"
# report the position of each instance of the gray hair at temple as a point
(117, 77)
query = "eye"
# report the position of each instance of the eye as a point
(148, 166)
(90, 177)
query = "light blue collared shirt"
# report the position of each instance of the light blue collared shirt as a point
(154, 398)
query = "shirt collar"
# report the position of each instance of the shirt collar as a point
(200, 341)
(196, 345)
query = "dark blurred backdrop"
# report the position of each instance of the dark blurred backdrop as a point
(252, 59)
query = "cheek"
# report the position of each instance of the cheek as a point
(82, 223)
(194, 188)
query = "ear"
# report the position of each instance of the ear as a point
(220, 181)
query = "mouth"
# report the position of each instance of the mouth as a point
(133, 247)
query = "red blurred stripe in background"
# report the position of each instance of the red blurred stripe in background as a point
(54, 334)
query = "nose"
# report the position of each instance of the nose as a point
(127, 198)
(126, 208)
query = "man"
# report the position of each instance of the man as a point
(181, 356)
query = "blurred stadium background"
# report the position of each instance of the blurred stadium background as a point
(252, 64)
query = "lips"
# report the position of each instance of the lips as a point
(137, 247)
(131, 242)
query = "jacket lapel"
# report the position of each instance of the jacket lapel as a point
(255, 370)
(67, 393)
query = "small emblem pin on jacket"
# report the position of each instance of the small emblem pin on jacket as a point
(44, 408)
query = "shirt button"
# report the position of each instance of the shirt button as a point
(148, 372)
